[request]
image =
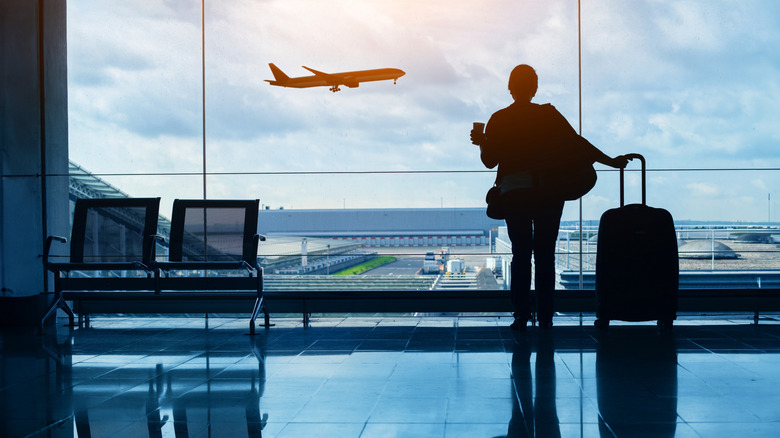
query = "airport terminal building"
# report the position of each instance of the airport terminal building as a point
(401, 227)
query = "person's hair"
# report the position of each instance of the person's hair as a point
(523, 81)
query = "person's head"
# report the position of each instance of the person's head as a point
(523, 82)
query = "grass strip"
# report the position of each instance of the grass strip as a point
(366, 266)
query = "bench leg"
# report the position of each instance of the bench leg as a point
(52, 309)
(59, 303)
(259, 305)
(69, 311)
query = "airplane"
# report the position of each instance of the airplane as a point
(350, 79)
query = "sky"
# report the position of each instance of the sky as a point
(691, 85)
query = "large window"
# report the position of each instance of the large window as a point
(691, 85)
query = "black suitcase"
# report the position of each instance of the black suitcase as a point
(637, 270)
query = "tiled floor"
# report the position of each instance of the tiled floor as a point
(391, 377)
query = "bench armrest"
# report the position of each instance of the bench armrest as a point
(249, 268)
(141, 266)
(47, 247)
(154, 238)
(255, 243)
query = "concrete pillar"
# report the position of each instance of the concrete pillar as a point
(34, 151)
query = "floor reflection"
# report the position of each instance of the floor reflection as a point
(534, 411)
(175, 401)
(636, 375)
(82, 384)
(365, 377)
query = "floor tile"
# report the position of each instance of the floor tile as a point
(403, 430)
(335, 430)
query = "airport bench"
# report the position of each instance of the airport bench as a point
(112, 248)
(212, 258)
(217, 241)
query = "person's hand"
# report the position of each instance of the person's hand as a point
(477, 137)
(619, 162)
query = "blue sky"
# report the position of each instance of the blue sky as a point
(689, 84)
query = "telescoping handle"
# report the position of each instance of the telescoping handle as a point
(644, 184)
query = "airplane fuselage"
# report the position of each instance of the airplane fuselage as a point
(320, 79)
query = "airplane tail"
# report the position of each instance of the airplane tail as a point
(278, 74)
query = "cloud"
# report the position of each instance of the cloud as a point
(759, 184)
(702, 189)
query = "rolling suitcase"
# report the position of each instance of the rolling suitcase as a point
(637, 269)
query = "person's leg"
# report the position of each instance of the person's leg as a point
(519, 230)
(547, 220)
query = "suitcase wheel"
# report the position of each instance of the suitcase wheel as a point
(601, 323)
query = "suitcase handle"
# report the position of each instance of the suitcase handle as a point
(644, 170)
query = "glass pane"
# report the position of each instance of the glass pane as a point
(696, 95)
(400, 150)
(134, 98)
(134, 81)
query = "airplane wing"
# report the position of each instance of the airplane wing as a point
(331, 79)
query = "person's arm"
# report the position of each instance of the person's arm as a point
(486, 149)
(618, 162)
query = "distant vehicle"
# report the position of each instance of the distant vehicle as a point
(430, 268)
(444, 254)
(429, 264)
(351, 79)
(456, 267)
(494, 264)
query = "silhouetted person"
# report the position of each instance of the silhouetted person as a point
(525, 140)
